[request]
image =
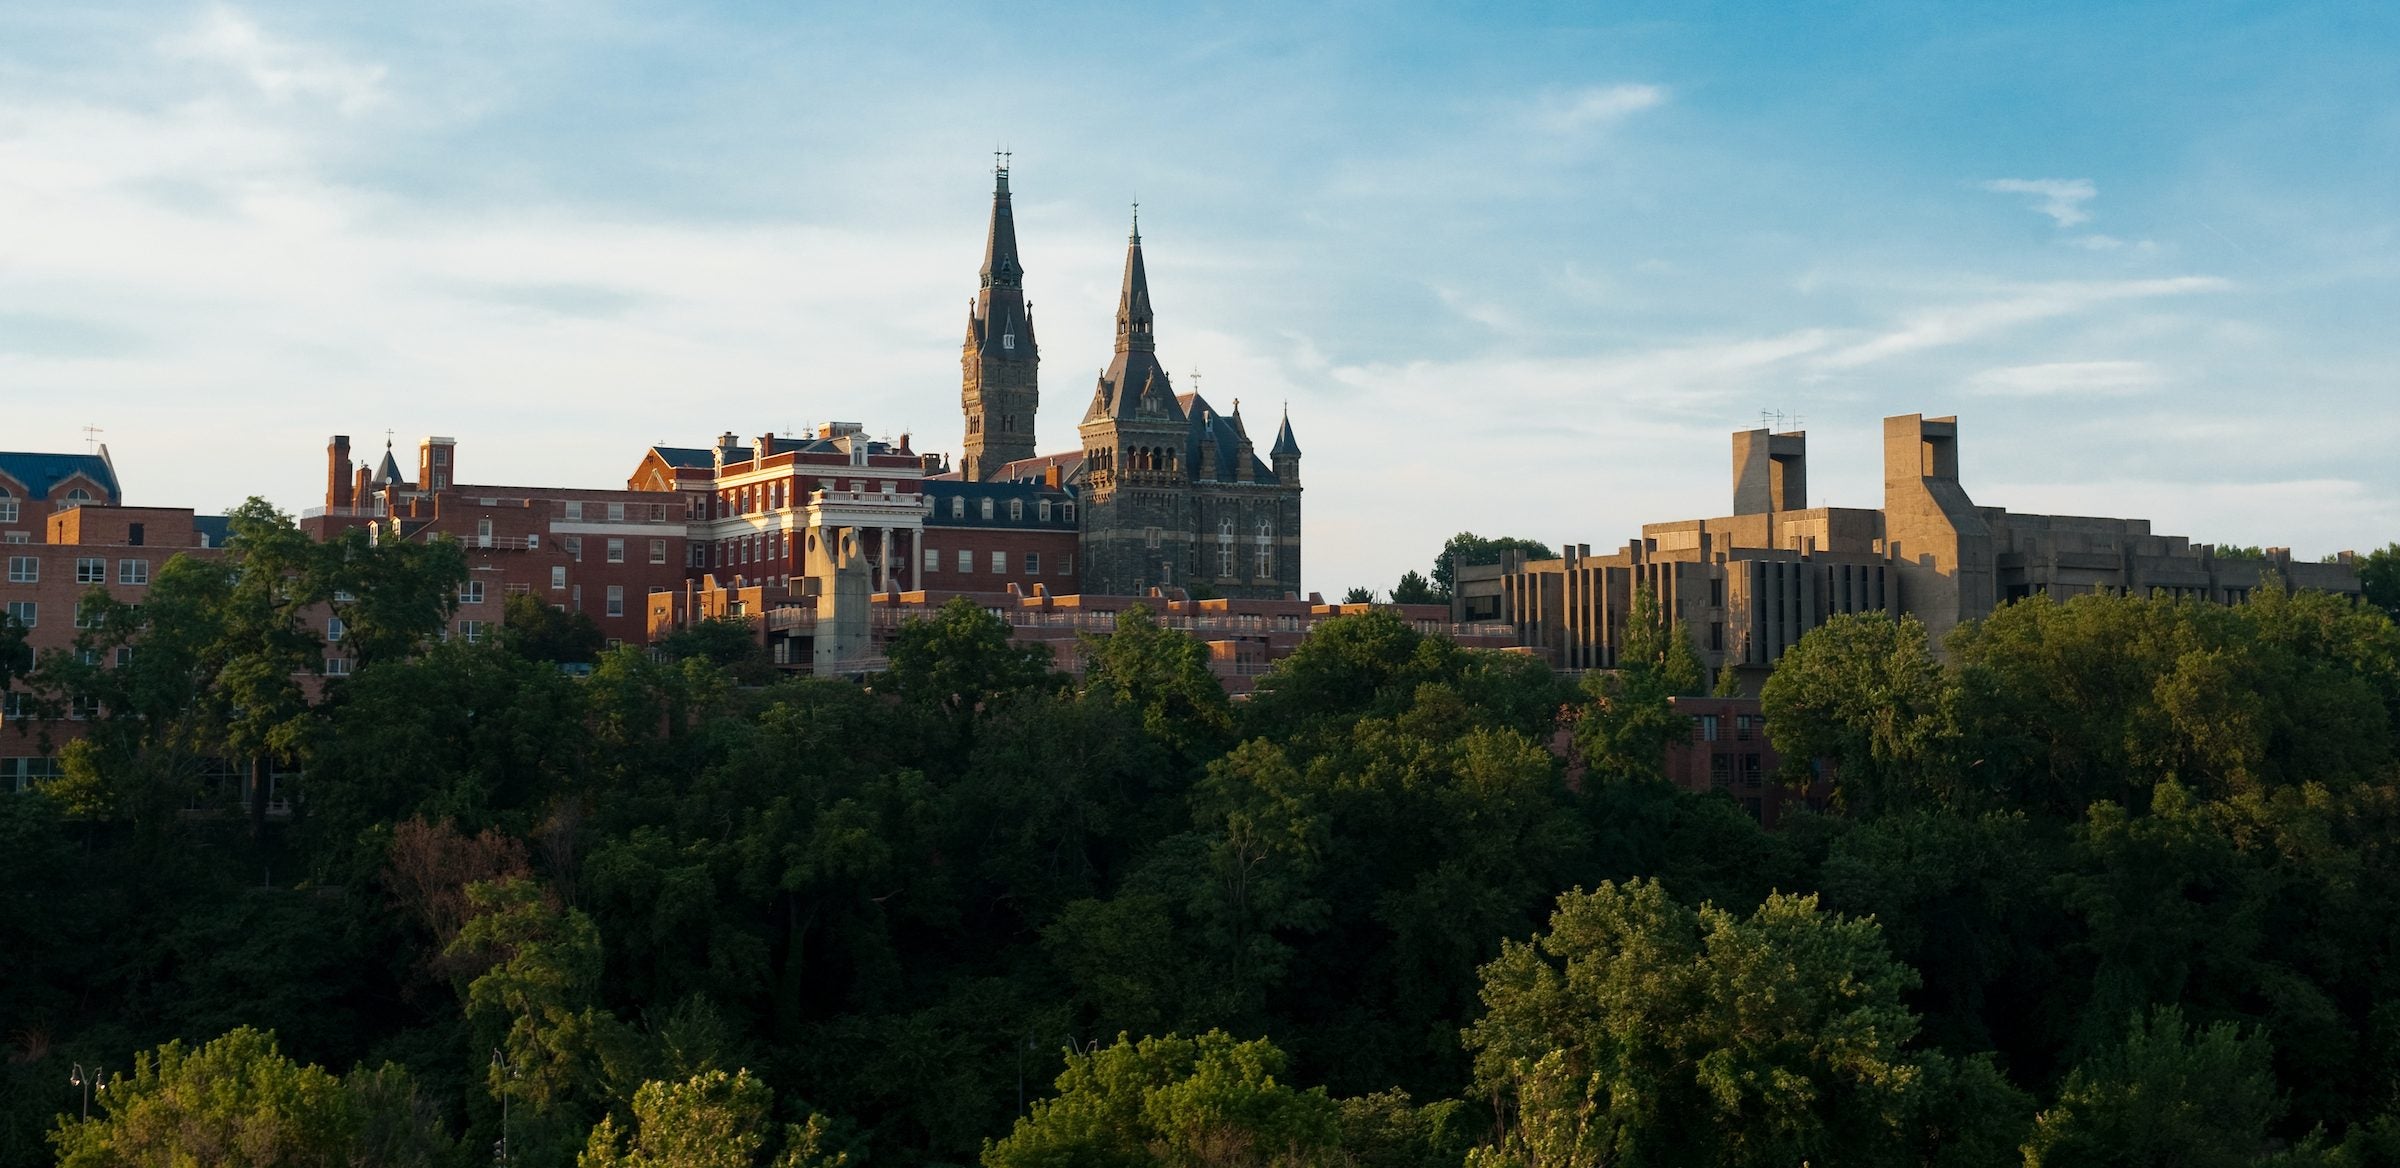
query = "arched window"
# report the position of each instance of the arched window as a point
(1266, 550)
(1016, 510)
(1225, 548)
(75, 498)
(8, 506)
(958, 507)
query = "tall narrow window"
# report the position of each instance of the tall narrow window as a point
(1266, 550)
(1225, 548)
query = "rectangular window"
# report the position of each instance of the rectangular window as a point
(1070, 511)
(25, 612)
(616, 513)
(575, 548)
(533, 541)
(91, 571)
(133, 571)
(699, 556)
(16, 537)
(558, 576)
(658, 551)
(575, 510)
(333, 629)
(1045, 510)
(483, 533)
(1000, 562)
(24, 570)
(616, 600)
(83, 620)
(337, 667)
(124, 656)
(1150, 537)
(966, 560)
(933, 560)
(15, 704)
(471, 592)
(8, 509)
(472, 630)
(1066, 565)
(616, 551)
(1033, 563)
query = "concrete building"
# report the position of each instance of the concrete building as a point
(1750, 584)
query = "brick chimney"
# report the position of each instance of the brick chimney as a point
(337, 472)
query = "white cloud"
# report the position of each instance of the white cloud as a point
(281, 70)
(1582, 109)
(2082, 378)
(1954, 324)
(2062, 199)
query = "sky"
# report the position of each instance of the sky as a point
(1518, 274)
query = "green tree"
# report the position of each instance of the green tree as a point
(1467, 549)
(530, 982)
(238, 1102)
(1164, 674)
(1624, 728)
(727, 642)
(393, 595)
(1414, 588)
(1177, 1103)
(959, 658)
(2379, 578)
(2169, 1094)
(1359, 596)
(1639, 1031)
(711, 1120)
(538, 632)
(1865, 693)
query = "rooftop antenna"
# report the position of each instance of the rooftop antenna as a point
(91, 438)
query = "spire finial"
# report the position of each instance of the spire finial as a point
(1136, 237)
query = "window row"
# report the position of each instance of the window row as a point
(28, 570)
(11, 510)
(1063, 566)
(988, 508)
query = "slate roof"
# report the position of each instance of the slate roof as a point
(1223, 432)
(1284, 442)
(41, 473)
(938, 494)
(697, 457)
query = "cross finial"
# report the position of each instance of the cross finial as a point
(1137, 220)
(387, 440)
(1195, 379)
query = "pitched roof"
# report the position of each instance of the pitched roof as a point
(42, 472)
(1222, 433)
(1285, 444)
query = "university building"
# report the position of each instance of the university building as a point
(64, 530)
(1750, 584)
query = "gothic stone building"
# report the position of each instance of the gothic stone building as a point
(1171, 491)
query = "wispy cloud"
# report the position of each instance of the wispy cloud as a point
(2062, 199)
(1578, 110)
(2082, 378)
(280, 70)
(1954, 324)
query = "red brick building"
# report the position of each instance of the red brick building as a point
(597, 552)
(1728, 752)
(79, 539)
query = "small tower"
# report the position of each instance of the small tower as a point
(1137, 456)
(999, 365)
(1286, 453)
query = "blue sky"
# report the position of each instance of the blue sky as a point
(1518, 273)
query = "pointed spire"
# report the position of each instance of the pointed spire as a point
(1001, 267)
(1285, 444)
(1134, 319)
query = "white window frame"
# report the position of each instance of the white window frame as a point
(616, 549)
(933, 559)
(471, 592)
(658, 551)
(1000, 563)
(24, 570)
(558, 577)
(966, 560)
(27, 613)
(133, 573)
(616, 600)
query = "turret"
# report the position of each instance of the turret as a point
(999, 363)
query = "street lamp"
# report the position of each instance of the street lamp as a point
(507, 1071)
(79, 1078)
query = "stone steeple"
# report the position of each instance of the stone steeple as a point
(1000, 386)
(1134, 318)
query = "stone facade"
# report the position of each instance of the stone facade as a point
(1751, 584)
(1170, 491)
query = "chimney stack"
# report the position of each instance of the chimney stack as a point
(337, 472)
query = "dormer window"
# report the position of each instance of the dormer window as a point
(76, 498)
(1008, 340)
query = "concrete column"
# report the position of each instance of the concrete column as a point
(885, 585)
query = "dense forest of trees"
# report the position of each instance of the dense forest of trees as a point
(2108, 883)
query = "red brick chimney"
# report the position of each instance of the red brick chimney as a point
(337, 472)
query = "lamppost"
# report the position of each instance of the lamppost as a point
(507, 1071)
(79, 1078)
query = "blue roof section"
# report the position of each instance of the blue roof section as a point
(41, 473)
(940, 492)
